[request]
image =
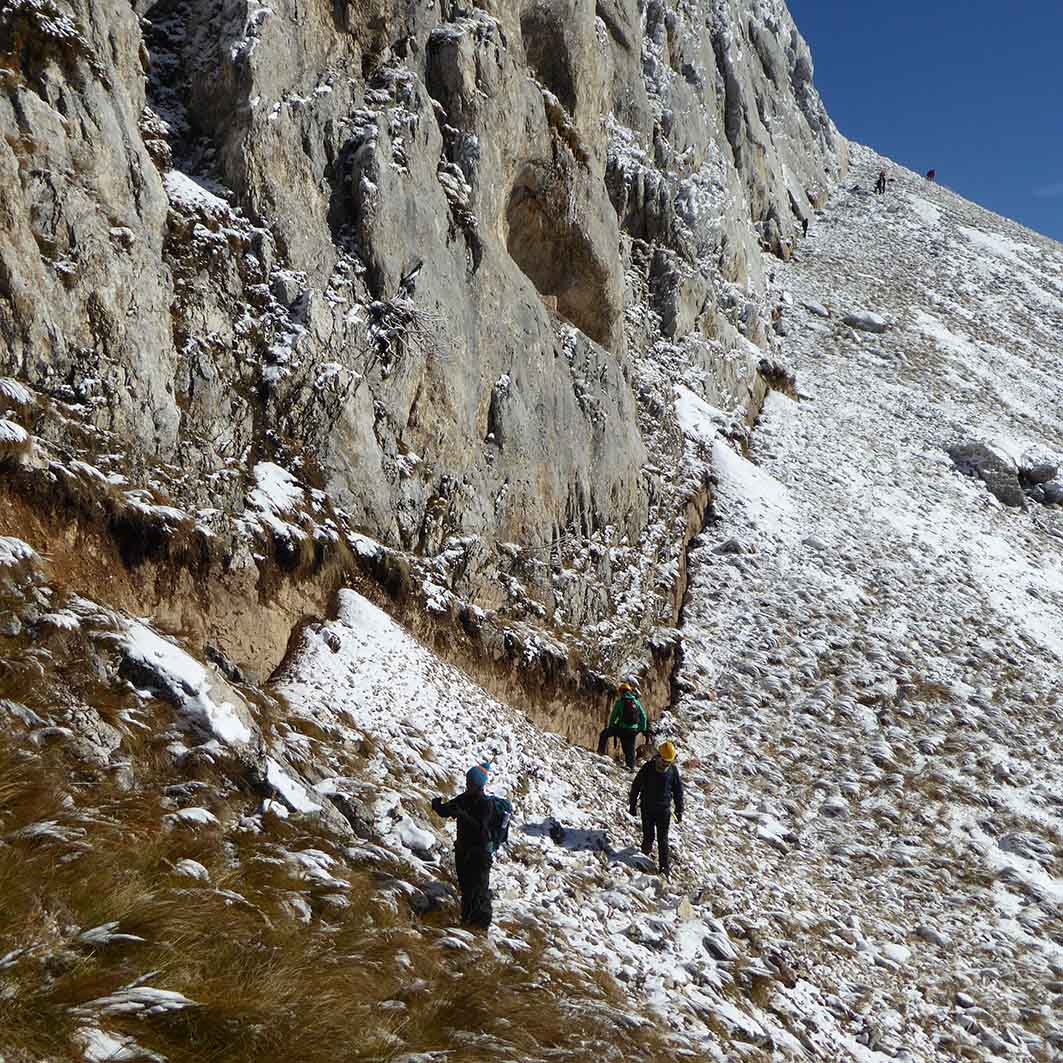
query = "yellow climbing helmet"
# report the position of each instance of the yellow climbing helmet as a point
(667, 753)
(625, 688)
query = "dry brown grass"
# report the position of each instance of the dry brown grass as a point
(369, 982)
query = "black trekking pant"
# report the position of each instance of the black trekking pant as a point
(627, 742)
(655, 821)
(474, 882)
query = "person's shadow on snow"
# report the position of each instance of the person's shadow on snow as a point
(585, 841)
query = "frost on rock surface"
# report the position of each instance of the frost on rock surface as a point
(343, 229)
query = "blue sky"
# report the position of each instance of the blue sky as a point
(971, 88)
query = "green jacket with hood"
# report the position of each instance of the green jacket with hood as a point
(617, 718)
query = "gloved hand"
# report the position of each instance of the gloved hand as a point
(437, 804)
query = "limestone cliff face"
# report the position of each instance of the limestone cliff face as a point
(444, 263)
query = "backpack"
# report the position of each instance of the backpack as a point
(498, 830)
(629, 713)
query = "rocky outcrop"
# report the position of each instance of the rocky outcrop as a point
(1014, 481)
(426, 258)
(84, 293)
(866, 321)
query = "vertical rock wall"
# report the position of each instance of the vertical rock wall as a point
(444, 262)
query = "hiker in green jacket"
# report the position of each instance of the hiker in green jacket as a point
(627, 722)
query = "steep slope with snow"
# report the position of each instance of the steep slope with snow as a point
(874, 642)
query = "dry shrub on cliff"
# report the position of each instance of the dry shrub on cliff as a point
(140, 530)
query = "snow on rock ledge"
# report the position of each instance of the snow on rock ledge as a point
(204, 697)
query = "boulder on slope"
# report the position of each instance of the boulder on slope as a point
(1038, 465)
(866, 321)
(993, 465)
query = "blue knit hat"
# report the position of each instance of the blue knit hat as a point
(476, 777)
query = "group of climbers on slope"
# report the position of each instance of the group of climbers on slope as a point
(483, 819)
(882, 181)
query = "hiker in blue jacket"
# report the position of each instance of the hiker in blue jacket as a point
(483, 823)
(627, 722)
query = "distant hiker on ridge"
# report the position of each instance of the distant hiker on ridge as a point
(483, 826)
(659, 785)
(931, 175)
(880, 184)
(627, 721)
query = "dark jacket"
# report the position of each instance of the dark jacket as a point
(616, 720)
(658, 789)
(473, 811)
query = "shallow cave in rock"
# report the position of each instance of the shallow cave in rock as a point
(557, 257)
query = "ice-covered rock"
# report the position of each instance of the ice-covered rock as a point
(191, 869)
(101, 1046)
(140, 1001)
(107, 934)
(1039, 465)
(415, 838)
(191, 817)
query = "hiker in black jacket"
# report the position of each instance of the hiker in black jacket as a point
(474, 812)
(658, 784)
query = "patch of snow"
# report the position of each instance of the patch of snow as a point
(100, 1046)
(292, 791)
(698, 419)
(186, 192)
(11, 434)
(192, 869)
(188, 682)
(15, 552)
(193, 817)
(15, 392)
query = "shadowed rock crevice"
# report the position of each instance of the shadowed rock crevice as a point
(546, 49)
(556, 254)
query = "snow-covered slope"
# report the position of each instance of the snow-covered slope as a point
(690, 954)
(873, 650)
(875, 666)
